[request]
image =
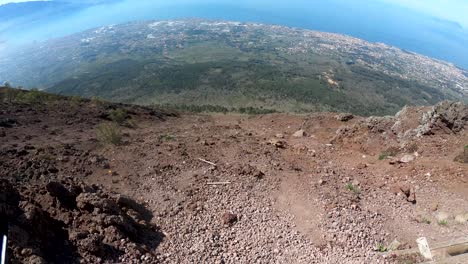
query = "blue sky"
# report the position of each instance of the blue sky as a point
(17, 1)
(454, 10)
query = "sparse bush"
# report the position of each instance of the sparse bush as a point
(412, 148)
(47, 156)
(11, 94)
(119, 116)
(381, 248)
(255, 111)
(390, 152)
(96, 101)
(130, 123)
(109, 133)
(75, 101)
(34, 96)
(166, 137)
(216, 109)
(443, 222)
(426, 220)
(352, 188)
(463, 157)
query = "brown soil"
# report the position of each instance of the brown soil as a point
(321, 198)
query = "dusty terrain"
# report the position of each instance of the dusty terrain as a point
(318, 188)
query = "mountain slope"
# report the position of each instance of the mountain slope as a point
(197, 62)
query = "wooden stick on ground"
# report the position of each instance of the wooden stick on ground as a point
(209, 162)
(218, 183)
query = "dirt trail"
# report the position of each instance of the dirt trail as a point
(321, 197)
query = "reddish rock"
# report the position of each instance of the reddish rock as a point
(229, 218)
(361, 166)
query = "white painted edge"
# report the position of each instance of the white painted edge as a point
(4, 246)
(424, 248)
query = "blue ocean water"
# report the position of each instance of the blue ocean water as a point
(375, 22)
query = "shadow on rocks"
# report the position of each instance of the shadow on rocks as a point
(69, 222)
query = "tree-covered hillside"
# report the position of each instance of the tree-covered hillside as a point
(235, 65)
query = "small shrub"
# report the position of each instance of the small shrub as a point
(381, 248)
(96, 101)
(11, 94)
(109, 133)
(75, 101)
(462, 157)
(34, 96)
(47, 156)
(130, 123)
(413, 147)
(443, 222)
(119, 116)
(426, 220)
(390, 152)
(352, 188)
(166, 137)
(255, 111)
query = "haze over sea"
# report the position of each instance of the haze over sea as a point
(370, 20)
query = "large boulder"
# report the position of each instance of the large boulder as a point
(59, 191)
(91, 231)
(344, 117)
(448, 117)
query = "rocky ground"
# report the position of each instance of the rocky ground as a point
(280, 188)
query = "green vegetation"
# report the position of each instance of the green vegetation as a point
(11, 94)
(443, 222)
(382, 156)
(381, 248)
(96, 101)
(413, 147)
(251, 70)
(119, 116)
(463, 156)
(166, 137)
(200, 80)
(33, 96)
(390, 152)
(217, 109)
(242, 85)
(75, 101)
(352, 188)
(109, 133)
(426, 220)
(122, 118)
(254, 111)
(197, 108)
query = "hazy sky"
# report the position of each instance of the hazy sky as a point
(2, 2)
(454, 10)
